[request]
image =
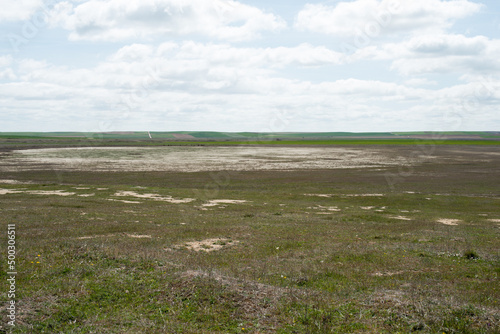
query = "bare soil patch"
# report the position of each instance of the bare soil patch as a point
(96, 236)
(155, 197)
(15, 182)
(138, 236)
(325, 209)
(209, 245)
(451, 222)
(130, 235)
(124, 201)
(346, 195)
(400, 217)
(217, 202)
(36, 192)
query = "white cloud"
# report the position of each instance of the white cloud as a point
(192, 55)
(217, 80)
(5, 61)
(375, 17)
(448, 54)
(137, 19)
(447, 45)
(436, 53)
(18, 10)
(201, 86)
(166, 76)
(204, 85)
(420, 82)
(6, 71)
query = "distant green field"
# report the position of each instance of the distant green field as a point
(364, 142)
(213, 135)
(25, 142)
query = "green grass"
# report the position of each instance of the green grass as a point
(288, 268)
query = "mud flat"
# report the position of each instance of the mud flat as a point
(195, 159)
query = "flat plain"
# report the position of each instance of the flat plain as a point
(254, 239)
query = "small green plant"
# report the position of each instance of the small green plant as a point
(471, 255)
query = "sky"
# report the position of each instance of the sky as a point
(249, 65)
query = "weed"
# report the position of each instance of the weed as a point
(471, 255)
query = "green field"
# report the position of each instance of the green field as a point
(261, 136)
(391, 249)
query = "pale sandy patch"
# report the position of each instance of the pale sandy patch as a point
(82, 188)
(216, 202)
(209, 245)
(123, 201)
(388, 273)
(9, 191)
(400, 217)
(15, 182)
(325, 208)
(399, 272)
(451, 222)
(154, 197)
(96, 236)
(138, 236)
(364, 195)
(102, 188)
(494, 220)
(330, 208)
(50, 192)
(36, 192)
(319, 195)
(367, 207)
(86, 195)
